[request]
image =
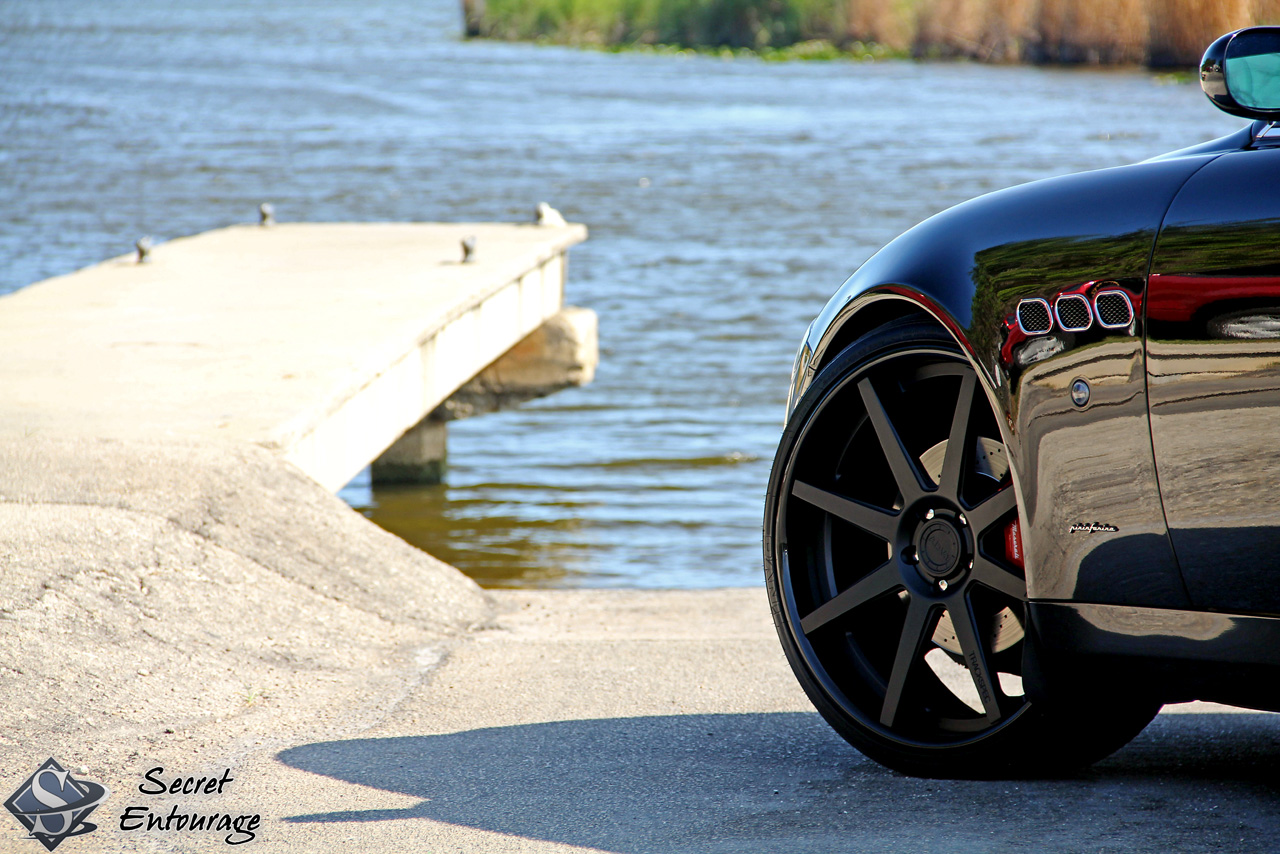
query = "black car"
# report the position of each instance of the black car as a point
(1023, 498)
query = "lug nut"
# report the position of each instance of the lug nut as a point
(928, 514)
(963, 521)
(942, 585)
(909, 554)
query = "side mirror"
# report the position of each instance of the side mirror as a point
(1240, 73)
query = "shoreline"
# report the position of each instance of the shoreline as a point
(1159, 36)
(819, 51)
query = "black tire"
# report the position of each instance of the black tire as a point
(888, 578)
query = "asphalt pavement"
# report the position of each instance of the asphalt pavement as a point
(637, 722)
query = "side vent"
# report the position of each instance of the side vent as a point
(1073, 313)
(1034, 316)
(1115, 311)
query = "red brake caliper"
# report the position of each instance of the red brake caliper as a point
(1013, 544)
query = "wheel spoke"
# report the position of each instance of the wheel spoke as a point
(915, 629)
(989, 511)
(904, 470)
(958, 441)
(881, 580)
(998, 578)
(975, 658)
(873, 520)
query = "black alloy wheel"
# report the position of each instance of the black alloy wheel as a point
(893, 589)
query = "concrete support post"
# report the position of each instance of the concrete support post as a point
(559, 354)
(417, 457)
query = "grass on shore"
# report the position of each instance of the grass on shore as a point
(820, 50)
(736, 24)
(1159, 33)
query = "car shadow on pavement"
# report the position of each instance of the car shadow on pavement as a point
(787, 782)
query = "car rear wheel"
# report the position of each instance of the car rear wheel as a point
(892, 559)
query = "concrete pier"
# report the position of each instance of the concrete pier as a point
(560, 353)
(323, 343)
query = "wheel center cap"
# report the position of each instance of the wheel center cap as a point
(939, 548)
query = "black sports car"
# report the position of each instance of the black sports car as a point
(1024, 493)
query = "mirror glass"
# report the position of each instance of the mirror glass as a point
(1253, 68)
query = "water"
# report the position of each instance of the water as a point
(726, 200)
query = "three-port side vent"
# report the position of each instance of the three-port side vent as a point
(1115, 311)
(1073, 313)
(1034, 316)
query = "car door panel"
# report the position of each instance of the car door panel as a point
(1213, 372)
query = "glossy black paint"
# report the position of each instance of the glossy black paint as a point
(969, 266)
(1213, 368)
(1175, 655)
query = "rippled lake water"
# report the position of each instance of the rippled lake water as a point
(726, 201)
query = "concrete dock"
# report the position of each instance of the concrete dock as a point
(323, 343)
